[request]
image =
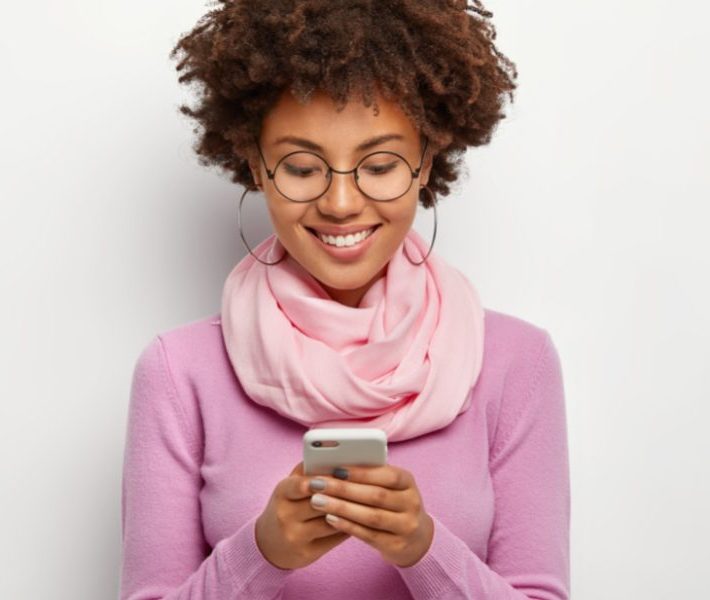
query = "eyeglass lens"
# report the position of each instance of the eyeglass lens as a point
(304, 176)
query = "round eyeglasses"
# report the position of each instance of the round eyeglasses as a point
(303, 176)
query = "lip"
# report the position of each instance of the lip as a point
(331, 230)
(344, 253)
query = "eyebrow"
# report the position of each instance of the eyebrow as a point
(366, 145)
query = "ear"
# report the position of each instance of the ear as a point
(254, 167)
(426, 166)
(256, 176)
(431, 151)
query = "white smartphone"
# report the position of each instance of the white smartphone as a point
(327, 448)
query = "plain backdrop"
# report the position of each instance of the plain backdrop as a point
(587, 215)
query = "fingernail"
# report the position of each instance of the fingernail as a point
(319, 500)
(340, 473)
(331, 518)
(317, 484)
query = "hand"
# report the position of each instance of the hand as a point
(382, 507)
(290, 533)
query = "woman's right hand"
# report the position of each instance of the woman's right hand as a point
(290, 533)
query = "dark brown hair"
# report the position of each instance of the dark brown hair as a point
(434, 57)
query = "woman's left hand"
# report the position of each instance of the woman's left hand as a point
(382, 507)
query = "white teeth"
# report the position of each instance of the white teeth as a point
(348, 240)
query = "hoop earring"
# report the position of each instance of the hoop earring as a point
(425, 190)
(241, 234)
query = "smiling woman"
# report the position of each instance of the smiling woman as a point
(347, 116)
(345, 269)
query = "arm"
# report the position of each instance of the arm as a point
(528, 552)
(164, 554)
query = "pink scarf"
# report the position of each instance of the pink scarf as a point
(404, 361)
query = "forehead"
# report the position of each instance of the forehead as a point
(319, 121)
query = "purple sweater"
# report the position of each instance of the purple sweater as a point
(201, 461)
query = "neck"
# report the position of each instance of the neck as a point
(353, 297)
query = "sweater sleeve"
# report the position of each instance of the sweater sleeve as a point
(164, 552)
(528, 549)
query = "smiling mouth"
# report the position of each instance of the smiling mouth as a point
(314, 234)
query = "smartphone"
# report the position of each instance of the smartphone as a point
(327, 448)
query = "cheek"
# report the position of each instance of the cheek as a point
(403, 216)
(285, 217)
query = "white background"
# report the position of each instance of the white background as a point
(587, 215)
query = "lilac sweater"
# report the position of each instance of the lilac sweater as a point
(201, 461)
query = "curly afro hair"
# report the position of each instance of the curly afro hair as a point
(434, 57)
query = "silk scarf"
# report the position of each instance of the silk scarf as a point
(405, 360)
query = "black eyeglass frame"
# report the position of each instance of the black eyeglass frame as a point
(414, 173)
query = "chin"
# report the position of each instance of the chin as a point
(341, 283)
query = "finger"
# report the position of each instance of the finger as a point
(318, 528)
(389, 476)
(295, 486)
(327, 543)
(304, 511)
(374, 537)
(371, 517)
(362, 493)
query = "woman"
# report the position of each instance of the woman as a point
(346, 115)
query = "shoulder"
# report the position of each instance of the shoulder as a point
(188, 351)
(521, 372)
(512, 341)
(187, 364)
(523, 375)
(197, 342)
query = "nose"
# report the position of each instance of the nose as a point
(342, 198)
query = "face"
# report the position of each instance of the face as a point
(335, 136)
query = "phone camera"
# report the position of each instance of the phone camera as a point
(317, 444)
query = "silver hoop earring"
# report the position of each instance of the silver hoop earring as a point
(426, 190)
(241, 234)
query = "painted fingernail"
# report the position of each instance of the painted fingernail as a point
(317, 484)
(331, 518)
(319, 500)
(340, 473)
